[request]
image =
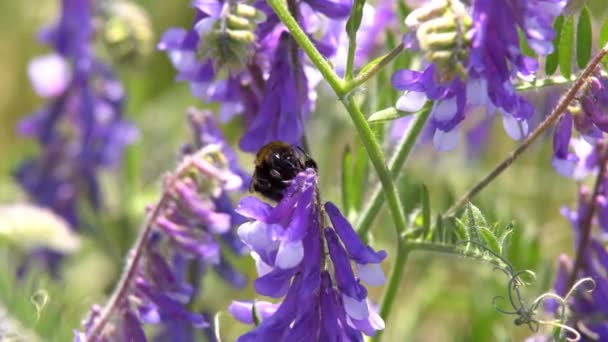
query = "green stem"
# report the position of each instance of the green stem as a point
(369, 213)
(377, 157)
(393, 285)
(350, 58)
(561, 107)
(544, 82)
(307, 46)
(371, 71)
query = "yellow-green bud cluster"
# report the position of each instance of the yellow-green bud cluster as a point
(443, 32)
(231, 39)
(125, 31)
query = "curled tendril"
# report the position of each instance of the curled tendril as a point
(527, 314)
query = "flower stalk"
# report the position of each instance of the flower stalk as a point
(138, 250)
(543, 126)
(586, 222)
(405, 146)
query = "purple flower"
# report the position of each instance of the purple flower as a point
(263, 63)
(184, 240)
(285, 104)
(81, 130)
(287, 241)
(588, 311)
(473, 59)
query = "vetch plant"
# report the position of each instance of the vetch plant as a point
(274, 79)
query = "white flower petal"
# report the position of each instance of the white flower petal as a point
(257, 235)
(354, 308)
(371, 274)
(477, 91)
(262, 267)
(49, 74)
(446, 141)
(411, 101)
(515, 129)
(445, 110)
(564, 167)
(290, 254)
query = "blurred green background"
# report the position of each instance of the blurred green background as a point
(440, 299)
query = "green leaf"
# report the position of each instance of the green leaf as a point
(359, 177)
(403, 10)
(473, 217)
(387, 114)
(461, 231)
(426, 209)
(551, 61)
(346, 179)
(604, 34)
(584, 38)
(489, 239)
(505, 239)
(371, 64)
(566, 48)
(525, 48)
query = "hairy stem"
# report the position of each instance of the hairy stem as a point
(405, 146)
(377, 157)
(586, 222)
(548, 122)
(122, 288)
(393, 285)
(365, 133)
(372, 70)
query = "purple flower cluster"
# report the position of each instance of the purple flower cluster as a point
(588, 117)
(473, 53)
(588, 311)
(184, 239)
(301, 258)
(81, 129)
(266, 80)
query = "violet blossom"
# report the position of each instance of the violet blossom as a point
(185, 240)
(588, 310)
(265, 56)
(472, 54)
(81, 130)
(585, 116)
(289, 243)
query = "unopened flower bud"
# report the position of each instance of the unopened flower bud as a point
(126, 32)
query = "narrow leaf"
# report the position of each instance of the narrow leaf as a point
(426, 209)
(387, 114)
(490, 240)
(584, 38)
(525, 48)
(347, 180)
(604, 34)
(359, 177)
(505, 240)
(566, 48)
(371, 64)
(461, 231)
(551, 61)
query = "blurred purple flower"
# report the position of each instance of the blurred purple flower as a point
(285, 103)
(184, 235)
(81, 130)
(287, 242)
(477, 67)
(587, 310)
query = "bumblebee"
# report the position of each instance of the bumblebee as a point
(276, 164)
